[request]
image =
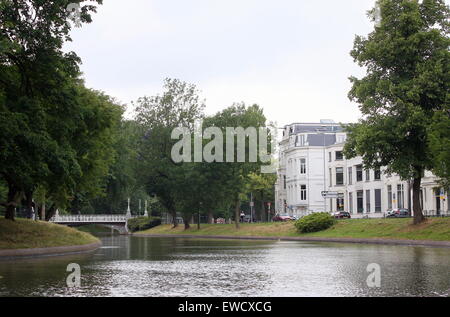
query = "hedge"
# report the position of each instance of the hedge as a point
(143, 223)
(315, 222)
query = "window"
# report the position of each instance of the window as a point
(400, 196)
(350, 202)
(377, 200)
(340, 204)
(367, 175)
(284, 180)
(360, 201)
(339, 156)
(368, 201)
(350, 175)
(329, 156)
(331, 177)
(389, 193)
(302, 166)
(359, 173)
(301, 140)
(303, 193)
(377, 175)
(339, 176)
(341, 138)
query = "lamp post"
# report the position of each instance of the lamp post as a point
(198, 222)
(145, 209)
(128, 209)
(251, 207)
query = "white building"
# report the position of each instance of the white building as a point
(311, 161)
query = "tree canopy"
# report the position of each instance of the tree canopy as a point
(405, 88)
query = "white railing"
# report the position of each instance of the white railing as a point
(89, 218)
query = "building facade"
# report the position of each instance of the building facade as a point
(312, 161)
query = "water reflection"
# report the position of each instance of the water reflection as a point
(133, 266)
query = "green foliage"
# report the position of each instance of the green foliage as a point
(407, 82)
(440, 145)
(315, 222)
(158, 116)
(42, 102)
(143, 223)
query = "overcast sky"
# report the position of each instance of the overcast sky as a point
(289, 56)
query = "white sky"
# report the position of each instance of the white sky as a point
(289, 56)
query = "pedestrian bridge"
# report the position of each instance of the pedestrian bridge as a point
(116, 222)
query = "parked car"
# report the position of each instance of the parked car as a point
(283, 217)
(342, 215)
(398, 213)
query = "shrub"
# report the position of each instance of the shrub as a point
(143, 223)
(315, 222)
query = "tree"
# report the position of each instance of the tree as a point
(263, 188)
(99, 119)
(158, 116)
(124, 178)
(407, 82)
(235, 174)
(440, 145)
(33, 69)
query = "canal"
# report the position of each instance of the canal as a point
(138, 266)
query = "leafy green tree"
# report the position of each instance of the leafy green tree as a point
(407, 82)
(235, 174)
(99, 118)
(38, 82)
(440, 145)
(124, 179)
(158, 116)
(263, 188)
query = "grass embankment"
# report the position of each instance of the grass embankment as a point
(437, 229)
(26, 234)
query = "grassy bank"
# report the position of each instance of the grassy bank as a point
(432, 229)
(26, 234)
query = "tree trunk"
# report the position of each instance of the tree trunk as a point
(29, 202)
(14, 196)
(418, 215)
(237, 213)
(42, 211)
(210, 216)
(174, 219)
(51, 212)
(186, 223)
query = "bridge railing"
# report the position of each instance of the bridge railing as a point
(88, 218)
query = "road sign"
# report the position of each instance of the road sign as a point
(327, 194)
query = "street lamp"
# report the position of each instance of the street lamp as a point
(128, 209)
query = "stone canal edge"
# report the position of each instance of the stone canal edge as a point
(400, 242)
(51, 251)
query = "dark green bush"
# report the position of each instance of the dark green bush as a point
(143, 223)
(315, 222)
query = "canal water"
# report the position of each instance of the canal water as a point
(137, 266)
